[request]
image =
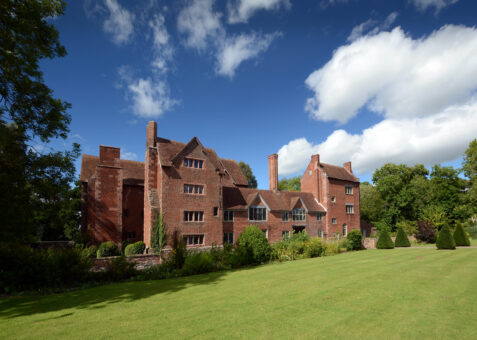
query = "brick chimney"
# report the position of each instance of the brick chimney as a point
(347, 166)
(109, 155)
(315, 160)
(151, 134)
(273, 171)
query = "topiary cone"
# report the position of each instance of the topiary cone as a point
(460, 237)
(445, 239)
(384, 240)
(401, 239)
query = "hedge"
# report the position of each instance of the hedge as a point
(445, 239)
(401, 238)
(384, 240)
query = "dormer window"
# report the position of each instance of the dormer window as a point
(257, 214)
(298, 214)
(193, 163)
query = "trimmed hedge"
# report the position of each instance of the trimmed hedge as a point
(198, 263)
(384, 240)
(135, 248)
(460, 237)
(107, 249)
(445, 239)
(401, 238)
(355, 240)
(255, 245)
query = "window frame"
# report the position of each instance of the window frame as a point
(193, 163)
(226, 238)
(228, 213)
(300, 214)
(348, 189)
(256, 208)
(193, 216)
(193, 189)
(200, 239)
(333, 220)
(319, 217)
(287, 233)
(344, 230)
(351, 206)
(285, 214)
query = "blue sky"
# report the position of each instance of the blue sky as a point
(366, 81)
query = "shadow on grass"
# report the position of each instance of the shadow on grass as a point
(100, 297)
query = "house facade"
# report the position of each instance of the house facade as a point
(206, 198)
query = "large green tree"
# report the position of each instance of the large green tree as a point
(373, 207)
(247, 172)
(290, 184)
(37, 200)
(469, 166)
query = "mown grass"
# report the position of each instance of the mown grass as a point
(385, 294)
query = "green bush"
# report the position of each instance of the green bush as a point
(198, 263)
(107, 249)
(355, 240)
(124, 244)
(255, 245)
(313, 247)
(384, 240)
(409, 227)
(331, 247)
(135, 248)
(178, 253)
(119, 268)
(445, 239)
(159, 235)
(221, 256)
(90, 251)
(460, 236)
(401, 238)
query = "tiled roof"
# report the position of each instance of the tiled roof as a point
(131, 169)
(241, 198)
(234, 170)
(338, 172)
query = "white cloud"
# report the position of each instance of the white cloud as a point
(240, 48)
(150, 98)
(390, 19)
(422, 5)
(199, 23)
(120, 22)
(162, 46)
(358, 31)
(395, 75)
(429, 140)
(325, 3)
(242, 10)
(128, 155)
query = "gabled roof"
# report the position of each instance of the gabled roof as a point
(235, 198)
(131, 169)
(234, 171)
(338, 172)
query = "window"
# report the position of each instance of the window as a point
(265, 231)
(298, 214)
(320, 233)
(333, 220)
(228, 238)
(193, 216)
(193, 189)
(193, 163)
(228, 216)
(348, 190)
(345, 230)
(285, 216)
(285, 234)
(216, 211)
(257, 214)
(333, 199)
(319, 217)
(131, 234)
(349, 208)
(191, 240)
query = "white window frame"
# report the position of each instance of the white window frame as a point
(254, 210)
(298, 214)
(319, 217)
(228, 215)
(228, 238)
(333, 220)
(333, 199)
(285, 233)
(350, 208)
(345, 230)
(193, 216)
(348, 189)
(200, 237)
(320, 233)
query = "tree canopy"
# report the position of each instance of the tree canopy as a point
(247, 172)
(290, 184)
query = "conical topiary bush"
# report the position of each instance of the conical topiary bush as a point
(384, 240)
(460, 237)
(445, 239)
(401, 239)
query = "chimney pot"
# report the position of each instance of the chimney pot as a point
(151, 134)
(347, 166)
(273, 172)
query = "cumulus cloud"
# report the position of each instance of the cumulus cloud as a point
(128, 155)
(371, 27)
(240, 48)
(242, 10)
(200, 23)
(429, 140)
(150, 98)
(422, 5)
(119, 23)
(163, 49)
(395, 75)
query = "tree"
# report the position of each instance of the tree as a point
(469, 166)
(372, 206)
(445, 239)
(384, 240)
(37, 183)
(460, 237)
(401, 239)
(159, 235)
(290, 184)
(247, 172)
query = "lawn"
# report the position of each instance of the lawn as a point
(385, 294)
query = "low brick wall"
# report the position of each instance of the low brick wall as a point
(141, 261)
(370, 243)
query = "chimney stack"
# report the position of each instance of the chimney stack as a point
(347, 166)
(151, 134)
(273, 171)
(109, 155)
(315, 159)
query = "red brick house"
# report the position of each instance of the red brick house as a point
(206, 198)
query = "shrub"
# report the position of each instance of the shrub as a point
(384, 240)
(198, 263)
(355, 240)
(331, 247)
(255, 245)
(119, 269)
(313, 247)
(90, 251)
(135, 248)
(108, 248)
(426, 232)
(401, 239)
(460, 236)
(178, 253)
(124, 244)
(409, 227)
(221, 256)
(164, 270)
(159, 235)
(445, 239)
